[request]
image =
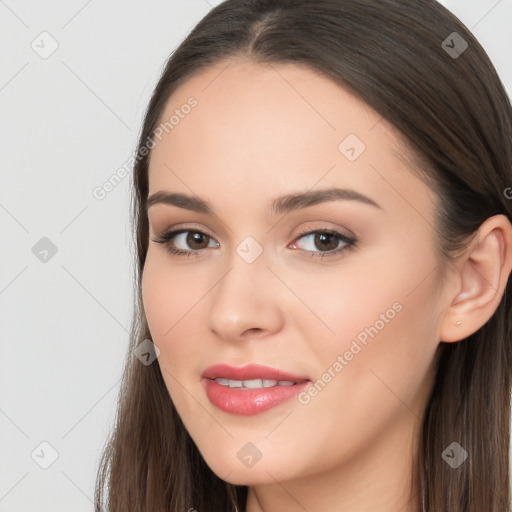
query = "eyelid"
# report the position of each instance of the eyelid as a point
(312, 229)
(302, 231)
(185, 227)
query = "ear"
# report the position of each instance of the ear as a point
(481, 277)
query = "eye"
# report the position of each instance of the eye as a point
(327, 240)
(193, 238)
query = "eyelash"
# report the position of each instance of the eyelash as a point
(166, 237)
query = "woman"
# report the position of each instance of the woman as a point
(322, 218)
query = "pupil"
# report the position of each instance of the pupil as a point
(323, 236)
(195, 237)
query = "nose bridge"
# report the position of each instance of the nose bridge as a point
(243, 298)
(247, 268)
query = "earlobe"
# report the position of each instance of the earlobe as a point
(483, 273)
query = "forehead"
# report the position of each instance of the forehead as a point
(264, 126)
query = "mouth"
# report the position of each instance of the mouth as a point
(250, 389)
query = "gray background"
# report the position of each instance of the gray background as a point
(68, 122)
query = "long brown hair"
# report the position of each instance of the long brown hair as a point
(457, 119)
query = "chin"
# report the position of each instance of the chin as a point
(232, 470)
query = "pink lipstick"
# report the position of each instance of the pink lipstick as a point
(250, 389)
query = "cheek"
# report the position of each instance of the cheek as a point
(158, 296)
(385, 325)
(351, 301)
(385, 319)
(167, 295)
(168, 299)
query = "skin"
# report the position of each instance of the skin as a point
(258, 132)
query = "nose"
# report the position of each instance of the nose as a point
(246, 301)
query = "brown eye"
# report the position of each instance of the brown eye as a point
(195, 240)
(324, 243)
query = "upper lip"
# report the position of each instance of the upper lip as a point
(249, 372)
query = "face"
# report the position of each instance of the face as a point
(340, 293)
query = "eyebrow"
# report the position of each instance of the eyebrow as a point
(282, 204)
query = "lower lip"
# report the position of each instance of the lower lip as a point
(247, 402)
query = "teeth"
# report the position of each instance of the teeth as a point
(253, 383)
